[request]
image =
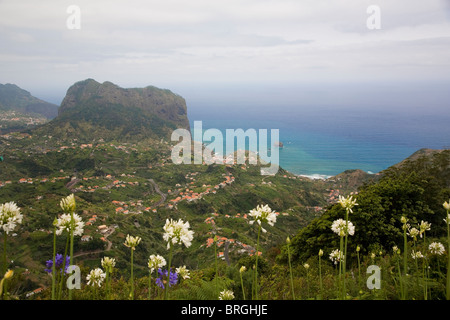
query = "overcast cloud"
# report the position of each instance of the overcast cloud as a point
(190, 46)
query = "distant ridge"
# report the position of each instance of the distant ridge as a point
(14, 98)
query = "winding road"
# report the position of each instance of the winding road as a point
(158, 191)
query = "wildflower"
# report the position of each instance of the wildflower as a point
(336, 256)
(413, 233)
(424, 226)
(156, 262)
(403, 220)
(96, 277)
(263, 214)
(108, 263)
(8, 274)
(68, 204)
(416, 254)
(59, 263)
(63, 223)
(242, 269)
(447, 205)
(226, 295)
(10, 216)
(358, 248)
(436, 248)
(347, 203)
(183, 272)
(178, 232)
(132, 242)
(306, 266)
(373, 255)
(396, 250)
(320, 252)
(160, 281)
(339, 227)
(447, 219)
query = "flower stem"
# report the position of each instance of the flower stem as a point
(4, 253)
(63, 270)
(72, 226)
(242, 285)
(54, 265)
(290, 271)
(256, 265)
(166, 291)
(345, 255)
(448, 263)
(132, 277)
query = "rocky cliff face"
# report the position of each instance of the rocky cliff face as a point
(92, 110)
(159, 102)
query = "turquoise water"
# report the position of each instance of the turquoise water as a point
(326, 142)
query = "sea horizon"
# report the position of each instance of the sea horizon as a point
(319, 144)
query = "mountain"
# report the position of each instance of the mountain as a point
(92, 110)
(14, 98)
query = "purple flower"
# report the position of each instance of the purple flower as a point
(173, 279)
(59, 261)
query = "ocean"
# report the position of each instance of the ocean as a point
(323, 142)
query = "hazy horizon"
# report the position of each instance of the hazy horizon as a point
(256, 54)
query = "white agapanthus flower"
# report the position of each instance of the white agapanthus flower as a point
(226, 295)
(436, 248)
(336, 256)
(177, 232)
(63, 223)
(339, 227)
(132, 242)
(96, 277)
(447, 219)
(108, 263)
(447, 205)
(416, 254)
(183, 272)
(156, 262)
(263, 214)
(424, 226)
(68, 204)
(413, 233)
(347, 203)
(10, 217)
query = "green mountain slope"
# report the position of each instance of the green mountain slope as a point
(14, 98)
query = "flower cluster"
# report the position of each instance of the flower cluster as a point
(347, 203)
(132, 242)
(108, 263)
(413, 233)
(161, 280)
(417, 255)
(336, 256)
(10, 216)
(156, 262)
(183, 272)
(339, 227)
(96, 277)
(263, 214)
(436, 248)
(226, 295)
(63, 223)
(68, 204)
(177, 232)
(59, 262)
(424, 226)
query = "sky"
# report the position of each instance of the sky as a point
(234, 53)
